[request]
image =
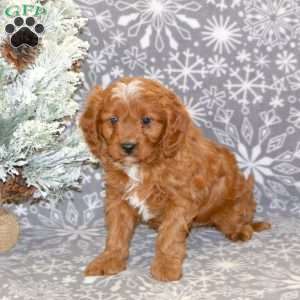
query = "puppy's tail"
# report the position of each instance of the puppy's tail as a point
(260, 226)
(256, 226)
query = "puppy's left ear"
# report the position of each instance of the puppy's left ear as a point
(177, 125)
(89, 120)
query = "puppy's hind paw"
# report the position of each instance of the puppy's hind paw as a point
(244, 234)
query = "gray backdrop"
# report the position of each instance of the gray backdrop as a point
(236, 66)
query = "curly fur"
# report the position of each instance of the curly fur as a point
(175, 179)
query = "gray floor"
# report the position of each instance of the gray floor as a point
(57, 244)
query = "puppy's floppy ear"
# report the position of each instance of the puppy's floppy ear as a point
(176, 128)
(89, 120)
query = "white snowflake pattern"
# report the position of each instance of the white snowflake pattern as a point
(277, 101)
(294, 117)
(202, 110)
(104, 20)
(185, 73)
(246, 86)
(33, 289)
(158, 18)
(224, 4)
(109, 50)
(286, 61)
(118, 38)
(272, 22)
(155, 73)
(21, 210)
(294, 80)
(133, 58)
(217, 65)
(262, 61)
(243, 56)
(70, 225)
(212, 97)
(196, 110)
(223, 35)
(273, 170)
(97, 61)
(253, 162)
(117, 72)
(227, 264)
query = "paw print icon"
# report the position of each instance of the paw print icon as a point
(24, 32)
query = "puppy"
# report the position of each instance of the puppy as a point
(162, 171)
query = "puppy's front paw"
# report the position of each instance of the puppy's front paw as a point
(105, 265)
(166, 269)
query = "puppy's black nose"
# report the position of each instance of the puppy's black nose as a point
(128, 147)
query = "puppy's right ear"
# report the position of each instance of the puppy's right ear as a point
(89, 120)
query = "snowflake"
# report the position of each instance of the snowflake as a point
(117, 72)
(109, 49)
(294, 117)
(186, 72)
(243, 56)
(276, 101)
(259, 152)
(21, 210)
(286, 61)
(262, 61)
(252, 161)
(272, 22)
(222, 34)
(202, 110)
(97, 61)
(286, 251)
(33, 289)
(227, 265)
(69, 223)
(217, 65)
(246, 88)
(154, 73)
(223, 4)
(104, 20)
(294, 80)
(133, 58)
(117, 38)
(158, 19)
(213, 97)
(196, 110)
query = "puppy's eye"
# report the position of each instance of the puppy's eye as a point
(114, 120)
(146, 120)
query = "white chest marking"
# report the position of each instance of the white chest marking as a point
(135, 179)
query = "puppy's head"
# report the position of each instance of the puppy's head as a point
(134, 120)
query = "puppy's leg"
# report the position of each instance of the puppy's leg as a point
(170, 246)
(121, 220)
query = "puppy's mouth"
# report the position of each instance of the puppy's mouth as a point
(129, 160)
(125, 159)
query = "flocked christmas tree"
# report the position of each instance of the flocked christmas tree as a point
(41, 152)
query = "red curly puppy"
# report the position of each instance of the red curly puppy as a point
(161, 170)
